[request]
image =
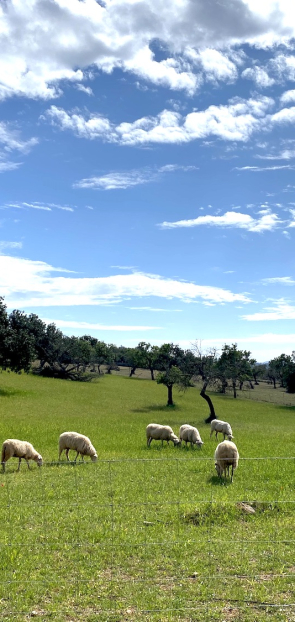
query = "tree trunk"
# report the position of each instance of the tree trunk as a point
(209, 402)
(234, 389)
(152, 374)
(241, 384)
(224, 384)
(170, 399)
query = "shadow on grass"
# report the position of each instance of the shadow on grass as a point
(214, 480)
(155, 408)
(12, 392)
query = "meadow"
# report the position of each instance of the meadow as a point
(144, 533)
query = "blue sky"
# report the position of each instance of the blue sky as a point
(147, 164)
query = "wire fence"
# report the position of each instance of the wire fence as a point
(155, 539)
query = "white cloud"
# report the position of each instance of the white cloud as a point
(126, 179)
(46, 207)
(287, 154)
(4, 245)
(94, 326)
(288, 97)
(154, 309)
(259, 76)
(46, 42)
(84, 89)
(10, 141)
(260, 169)
(281, 310)
(280, 280)
(267, 222)
(8, 166)
(284, 116)
(234, 122)
(284, 66)
(215, 65)
(27, 283)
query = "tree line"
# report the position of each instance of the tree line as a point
(28, 344)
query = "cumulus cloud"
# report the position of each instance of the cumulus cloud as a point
(27, 283)
(259, 76)
(234, 122)
(127, 179)
(46, 42)
(266, 222)
(288, 97)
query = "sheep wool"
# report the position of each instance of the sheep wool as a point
(157, 432)
(226, 455)
(13, 448)
(223, 427)
(191, 435)
(80, 443)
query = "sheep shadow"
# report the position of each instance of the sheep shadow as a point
(214, 480)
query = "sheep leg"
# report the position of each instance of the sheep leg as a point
(216, 434)
(3, 467)
(27, 463)
(76, 456)
(67, 454)
(149, 441)
(211, 433)
(232, 472)
(19, 461)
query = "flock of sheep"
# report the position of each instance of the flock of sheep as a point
(226, 454)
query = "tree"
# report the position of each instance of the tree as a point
(279, 369)
(206, 368)
(149, 357)
(173, 376)
(99, 354)
(133, 359)
(234, 365)
(259, 370)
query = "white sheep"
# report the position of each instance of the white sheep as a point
(80, 443)
(191, 435)
(226, 455)
(223, 427)
(13, 448)
(157, 432)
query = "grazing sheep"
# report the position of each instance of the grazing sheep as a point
(13, 448)
(191, 435)
(158, 432)
(226, 455)
(80, 443)
(223, 427)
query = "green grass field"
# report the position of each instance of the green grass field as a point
(144, 534)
